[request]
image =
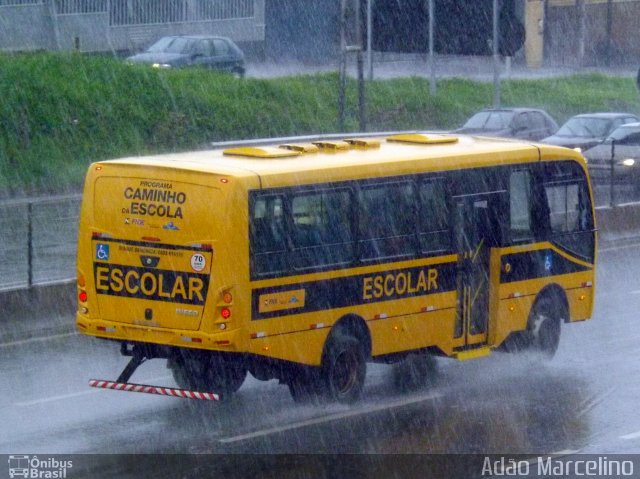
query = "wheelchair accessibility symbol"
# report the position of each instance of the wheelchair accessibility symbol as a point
(102, 252)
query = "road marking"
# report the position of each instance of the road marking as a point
(78, 394)
(614, 248)
(39, 339)
(55, 398)
(328, 418)
(565, 452)
(637, 291)
(633, 435)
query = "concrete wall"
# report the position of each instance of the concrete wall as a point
(619, 222)
(25, 27)
(91, 31)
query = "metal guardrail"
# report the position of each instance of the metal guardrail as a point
(38, 241)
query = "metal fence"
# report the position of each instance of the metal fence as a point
(69, 7)
(12, 3)
(145, 12)
(38, 241)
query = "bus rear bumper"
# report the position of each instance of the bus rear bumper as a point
(219, 341)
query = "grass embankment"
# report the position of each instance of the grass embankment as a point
(59, 112)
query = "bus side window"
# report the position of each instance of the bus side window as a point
(570, 216)
(322, 228)
(387, 221)
(434, 216)
(520, 205)
(267, 235)
(562, 200)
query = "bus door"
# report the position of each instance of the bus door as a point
(475, 233)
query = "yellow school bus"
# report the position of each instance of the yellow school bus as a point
(304, 260)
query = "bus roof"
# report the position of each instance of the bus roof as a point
(355, 157)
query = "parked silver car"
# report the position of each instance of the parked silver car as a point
(524, 123)
(179, 51)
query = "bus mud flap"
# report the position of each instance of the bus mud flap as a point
(159, 390)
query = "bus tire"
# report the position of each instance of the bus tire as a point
(414, 372)
(544, 325)
(344, 368)
(207, 372)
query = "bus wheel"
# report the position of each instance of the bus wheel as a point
(344, 368)
(207, 372)
(414, 371)
(544, 326)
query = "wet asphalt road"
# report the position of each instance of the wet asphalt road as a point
(584, 401)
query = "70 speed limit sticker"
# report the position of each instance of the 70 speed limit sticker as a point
(198, 262)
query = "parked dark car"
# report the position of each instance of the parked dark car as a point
(622, 148)
(589, 129)
(206, 51)
(524, 123)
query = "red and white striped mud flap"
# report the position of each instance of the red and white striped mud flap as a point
(162, 391)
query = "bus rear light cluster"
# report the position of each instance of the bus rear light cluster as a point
(83, 297)
(225, 302)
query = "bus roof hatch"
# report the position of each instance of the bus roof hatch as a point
(424, 139)
(261, 152)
